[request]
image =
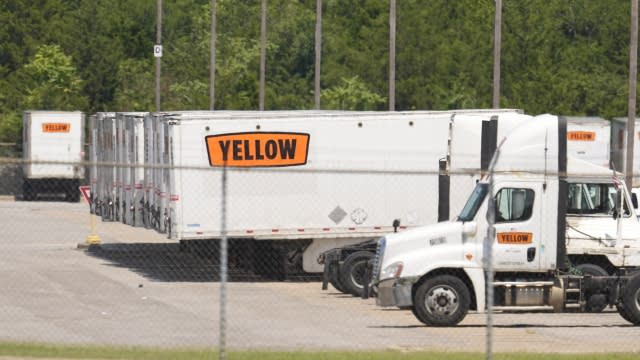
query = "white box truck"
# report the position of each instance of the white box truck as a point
(53, 152)
(540, 209)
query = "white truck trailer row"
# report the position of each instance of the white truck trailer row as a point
(525, 221)
(351, 156)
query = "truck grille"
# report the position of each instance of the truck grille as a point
(377, 260)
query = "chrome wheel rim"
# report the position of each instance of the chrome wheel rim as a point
(441, 300)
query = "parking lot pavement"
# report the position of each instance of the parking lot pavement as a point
(138, 289)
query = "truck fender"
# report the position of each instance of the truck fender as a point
(476, 275)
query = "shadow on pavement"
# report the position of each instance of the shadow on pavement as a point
(171, 262)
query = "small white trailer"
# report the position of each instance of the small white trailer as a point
(53, 152)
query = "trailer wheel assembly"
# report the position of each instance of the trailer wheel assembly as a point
(334, 277)
(442, 300)
(352, 272)
(629, 309)
(27, 191)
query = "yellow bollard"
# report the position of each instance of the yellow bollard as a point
(92, 238)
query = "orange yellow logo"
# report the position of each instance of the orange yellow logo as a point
(515, 237)
(258, 149)
(56, 127)
(581, 136)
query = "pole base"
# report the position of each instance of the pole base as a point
(92, 239)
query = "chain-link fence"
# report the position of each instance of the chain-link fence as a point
(145, 285)
(371, 244)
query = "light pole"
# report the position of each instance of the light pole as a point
(497, 43)
(318, 52)
(263, 50)
(633, 75)
(392, 55)
(212, 56)
(158, 51)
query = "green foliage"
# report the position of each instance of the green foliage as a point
(352, 94)
(558, 56)
(10, 127)
(136, 86)
(51, 81)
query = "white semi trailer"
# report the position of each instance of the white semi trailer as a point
(544, 205)
(53, 152)
(300, 184)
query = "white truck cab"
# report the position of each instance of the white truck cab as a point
(542, 201)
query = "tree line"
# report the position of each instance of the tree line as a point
(568, 57)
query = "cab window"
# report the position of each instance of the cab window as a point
(595, 199)
(513, 204)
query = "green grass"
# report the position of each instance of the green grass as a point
(42, 351)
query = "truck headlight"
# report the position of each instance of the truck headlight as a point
(392, 271)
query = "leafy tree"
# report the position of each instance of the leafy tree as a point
(560, 56)
(10, 127)
(52, 81)
(351, 95)
(356, 47)
(136, 89)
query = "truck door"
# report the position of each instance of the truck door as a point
(518, 227)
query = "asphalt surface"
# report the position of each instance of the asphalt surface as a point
(138, 289)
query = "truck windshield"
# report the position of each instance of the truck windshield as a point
(473, 204)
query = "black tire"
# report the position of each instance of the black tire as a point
(73, 195)
(442, 300)
(334, 277)
(27, 191)
(352, 272)
(596, 302)
(629, 309)
(592, 269)
(623, 312)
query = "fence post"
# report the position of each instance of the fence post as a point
(223, 266)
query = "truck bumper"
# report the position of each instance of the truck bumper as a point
(394, 292)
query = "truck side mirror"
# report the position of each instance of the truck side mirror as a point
(396, 225)
(634, 200)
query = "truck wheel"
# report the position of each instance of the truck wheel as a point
(73, 196)
(442, 300)
(595, 302)
(27, 191)
(629, 309)
(623, 312)
(353, 270)
(334, 278)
